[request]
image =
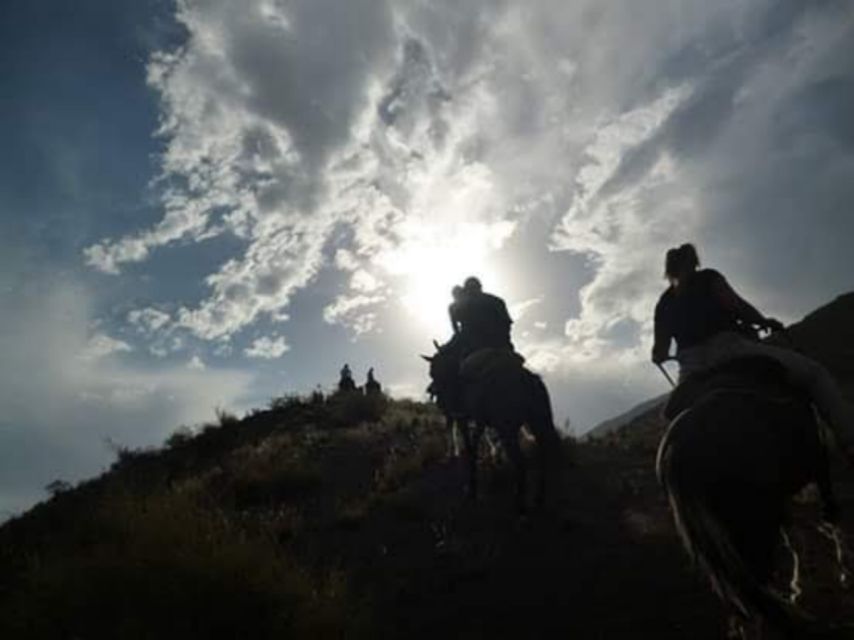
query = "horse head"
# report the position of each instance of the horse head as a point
(444, 373)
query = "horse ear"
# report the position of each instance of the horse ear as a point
(436, 344)
(427, 358)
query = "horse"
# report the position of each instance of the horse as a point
(502, 395)
(741, 446)
(347, 385)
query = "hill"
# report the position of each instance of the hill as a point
(341, 516)
(614, 424)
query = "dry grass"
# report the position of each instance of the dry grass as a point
(165, 566)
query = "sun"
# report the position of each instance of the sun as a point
(429, 267)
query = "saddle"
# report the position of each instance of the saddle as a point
(484, 363)
(753, 373)
(479, 371)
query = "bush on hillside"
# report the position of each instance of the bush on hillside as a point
(352, 408)
(161, 566)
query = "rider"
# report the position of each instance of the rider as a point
(455, 308)
(484, 319)
(708, 320)
(371, 385)
(346, 382)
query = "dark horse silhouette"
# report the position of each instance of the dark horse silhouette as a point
(730, 464)
(505, 396)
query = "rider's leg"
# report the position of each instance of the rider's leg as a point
(826, 394)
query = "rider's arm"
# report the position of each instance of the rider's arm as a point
(730, 300)
(663, 336)
(452, 314)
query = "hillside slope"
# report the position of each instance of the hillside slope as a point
(616, 423)
(342, 517)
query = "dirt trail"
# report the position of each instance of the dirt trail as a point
(601, 561)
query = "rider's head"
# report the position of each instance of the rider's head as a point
(681, 262)
(472, 285)
(457, 293)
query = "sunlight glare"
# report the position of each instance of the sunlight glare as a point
(432, 260)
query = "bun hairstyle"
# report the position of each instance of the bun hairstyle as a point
(680, 260)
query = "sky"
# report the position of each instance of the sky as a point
(205, 204)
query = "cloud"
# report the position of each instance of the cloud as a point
(196, 363)
(101, 345)
(353, 310)
(63, 393)
(703, 162)
(420, 146)
(267, 348)
(148, 320)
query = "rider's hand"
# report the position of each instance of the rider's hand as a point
(773, 325)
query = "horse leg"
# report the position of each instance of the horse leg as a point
(829, 506)
(493, 448)
(471, 440)
(795, 591)
(453, 441)
(833, 533)
(736, 625)
(509, 436)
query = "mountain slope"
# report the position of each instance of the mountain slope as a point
(341, 516)
(614, 424)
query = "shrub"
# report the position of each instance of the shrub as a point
(164, 567)
(401, 464)
(351, 408)
(225, 418)
(57, 487)
(180, 437)
(286, 402)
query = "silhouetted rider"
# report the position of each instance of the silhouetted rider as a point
(708, 321)
(697, 306)
(346, 382)
(484, 319)
(372, 387)
(455, 308)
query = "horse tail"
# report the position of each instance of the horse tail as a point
(707, 537)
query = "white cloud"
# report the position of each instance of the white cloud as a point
(419, 148)
(267, 348)
(101, 345)
(148, 320)
(196, 363)
(520, 309)
(353, 310)
(56, 417)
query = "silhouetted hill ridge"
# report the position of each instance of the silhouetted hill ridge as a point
(332, 516)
